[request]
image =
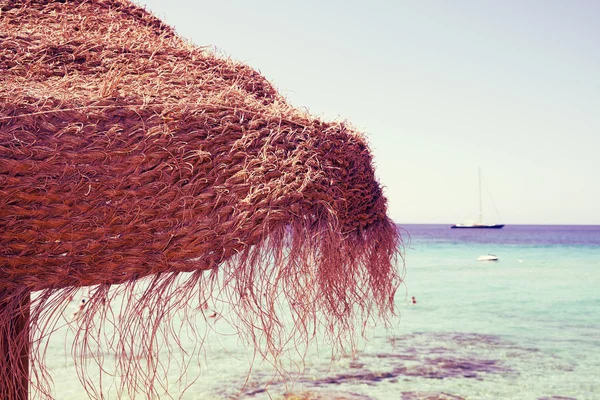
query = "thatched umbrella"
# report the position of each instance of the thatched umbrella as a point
(126, 152)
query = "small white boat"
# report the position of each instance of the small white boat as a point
(488, 257)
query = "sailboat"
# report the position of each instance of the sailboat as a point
(479, 223)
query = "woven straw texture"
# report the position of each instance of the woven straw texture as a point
(129, 157)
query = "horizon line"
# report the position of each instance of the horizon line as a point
(505, 224)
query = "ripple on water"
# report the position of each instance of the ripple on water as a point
(429, 396)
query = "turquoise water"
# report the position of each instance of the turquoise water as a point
(524, 327)
(539, 306)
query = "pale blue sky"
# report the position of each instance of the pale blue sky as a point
(439, 88)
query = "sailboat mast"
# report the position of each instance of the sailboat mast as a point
(480, 203)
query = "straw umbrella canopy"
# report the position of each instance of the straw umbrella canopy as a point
(129, 155)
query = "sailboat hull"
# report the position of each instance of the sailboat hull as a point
(492, 226)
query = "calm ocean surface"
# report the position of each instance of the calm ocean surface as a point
(524, 327)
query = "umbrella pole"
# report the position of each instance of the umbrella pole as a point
(15, 334)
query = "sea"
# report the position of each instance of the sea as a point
(524, 327)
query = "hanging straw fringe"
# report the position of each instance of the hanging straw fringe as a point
(145, 168)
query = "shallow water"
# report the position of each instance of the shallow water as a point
(525, 327)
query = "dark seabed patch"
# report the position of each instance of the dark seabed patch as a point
(409, 359)
(556, 398)
(335, 395)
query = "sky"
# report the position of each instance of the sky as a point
(440, 88)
